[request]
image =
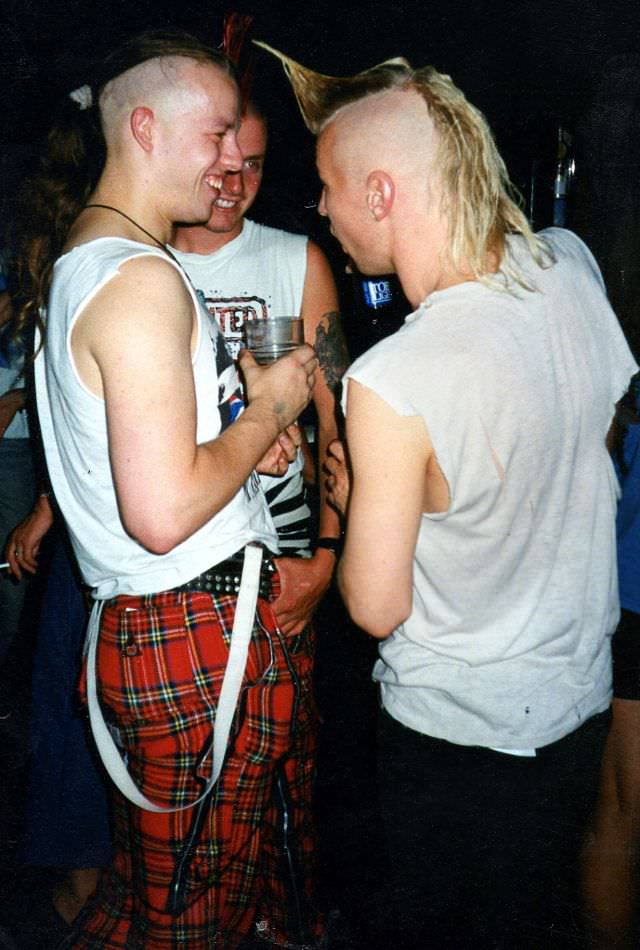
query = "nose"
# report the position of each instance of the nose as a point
(230, 156)
(322, 205)
(233, 183)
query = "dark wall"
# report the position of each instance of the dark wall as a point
(527, 65)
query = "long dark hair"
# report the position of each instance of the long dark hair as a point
(72, 163)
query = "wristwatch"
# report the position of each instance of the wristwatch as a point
(330, 544)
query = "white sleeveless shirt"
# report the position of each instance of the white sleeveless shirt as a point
(73, 424)
(514, 586)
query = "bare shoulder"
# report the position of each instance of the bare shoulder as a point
(144, 313)
(318, 273)
(147, 291)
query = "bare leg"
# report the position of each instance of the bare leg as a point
(73, 893)
(612, 852)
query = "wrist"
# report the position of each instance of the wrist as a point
(332, 545)
(261, 427)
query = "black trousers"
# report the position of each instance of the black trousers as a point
(484, 846)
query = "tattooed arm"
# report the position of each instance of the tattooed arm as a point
(304, 581)
(323, 330)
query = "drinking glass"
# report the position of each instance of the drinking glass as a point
(269, 339)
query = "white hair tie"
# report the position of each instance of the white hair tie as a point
(83, 97)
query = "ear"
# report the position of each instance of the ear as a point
(380, 194)
(141, 123)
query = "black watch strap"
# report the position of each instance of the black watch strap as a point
(330, 544)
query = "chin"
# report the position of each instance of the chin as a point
(219, 227)
(371, 269)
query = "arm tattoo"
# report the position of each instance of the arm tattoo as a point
(331, 349)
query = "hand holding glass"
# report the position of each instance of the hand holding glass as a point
(269, 339)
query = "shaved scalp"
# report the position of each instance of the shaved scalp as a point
(479, 202)
(373, 134)
(167, 83)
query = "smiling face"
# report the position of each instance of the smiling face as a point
(196, 142)
(240, 187)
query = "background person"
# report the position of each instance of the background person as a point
(247, 271)
(17, 479)
(612, 853)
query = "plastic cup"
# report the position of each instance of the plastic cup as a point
(269, 339)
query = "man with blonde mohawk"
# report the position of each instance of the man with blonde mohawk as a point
(480, 537)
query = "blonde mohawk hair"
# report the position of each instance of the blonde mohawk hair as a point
(319, 97)
(482, 205)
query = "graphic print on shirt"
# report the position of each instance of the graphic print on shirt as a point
(259, 275)
(230, 398)
(231, 314)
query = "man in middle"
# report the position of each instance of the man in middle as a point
(247, 271)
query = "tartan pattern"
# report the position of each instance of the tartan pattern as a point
(161, 659)
(277, 920)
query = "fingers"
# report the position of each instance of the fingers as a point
(304, 355)
(295, 434)
(274, 461)
(335, 450)
(337, 476)
(246, 360)
(14, 553)
(28, 559)
(288, 446)
(21, 559)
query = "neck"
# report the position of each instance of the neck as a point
(140, 206)
(422, 261)
(198, 239)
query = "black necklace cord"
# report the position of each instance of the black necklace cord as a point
(138, 226)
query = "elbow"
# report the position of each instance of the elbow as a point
(378, 615)
(158, 544)
(156, 535)
(379, 626)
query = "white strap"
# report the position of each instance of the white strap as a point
(231, 683)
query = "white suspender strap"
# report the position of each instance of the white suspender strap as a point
(229, 692)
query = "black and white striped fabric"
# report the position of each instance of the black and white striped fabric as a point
(291, 514)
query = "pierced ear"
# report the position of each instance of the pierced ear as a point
(380, 194)
(141, 123)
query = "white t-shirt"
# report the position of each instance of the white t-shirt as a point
(514, 587)
(74, 433)
(257, 275)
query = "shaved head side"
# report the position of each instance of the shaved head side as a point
(374, 133)
(151, 69)
(167, 83)
(441, 140)
(148, 66)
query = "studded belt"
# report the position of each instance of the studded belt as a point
(224, 578)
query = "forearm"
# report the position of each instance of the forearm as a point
(377, 596)
(329, 523)
(193, 492)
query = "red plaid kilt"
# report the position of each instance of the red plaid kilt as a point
(161, 659)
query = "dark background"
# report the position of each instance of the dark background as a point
(529, 66)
